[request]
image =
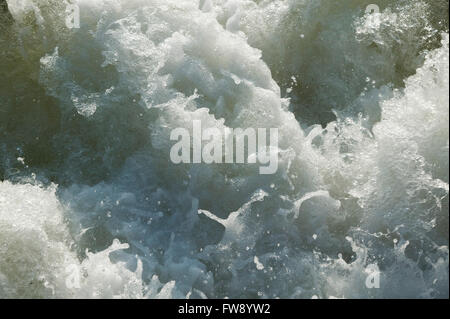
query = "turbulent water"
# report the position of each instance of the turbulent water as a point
(92, 207)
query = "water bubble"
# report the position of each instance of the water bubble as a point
(372, 8)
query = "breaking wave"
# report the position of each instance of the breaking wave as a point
(92, 207)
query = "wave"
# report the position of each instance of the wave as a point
(91, 206)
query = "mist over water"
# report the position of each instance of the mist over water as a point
(92, 207)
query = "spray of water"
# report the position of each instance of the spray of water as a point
(92, 206)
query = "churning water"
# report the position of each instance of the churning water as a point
(91, 205)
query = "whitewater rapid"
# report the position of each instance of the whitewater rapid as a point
(91, 205)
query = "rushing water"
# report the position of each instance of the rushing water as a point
(91, 205)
